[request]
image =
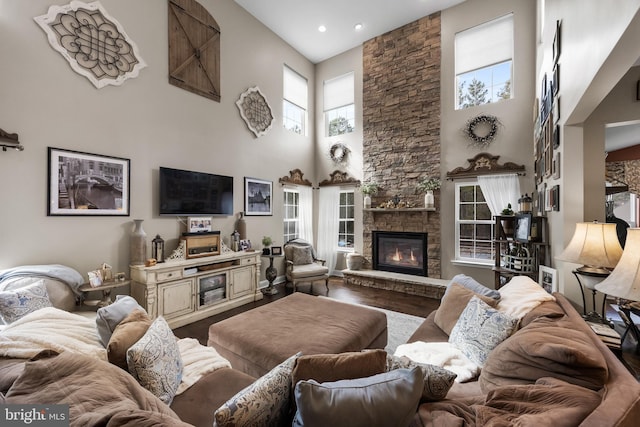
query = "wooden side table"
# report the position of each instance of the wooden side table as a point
(106, 289)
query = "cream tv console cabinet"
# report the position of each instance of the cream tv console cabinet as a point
(184, 291)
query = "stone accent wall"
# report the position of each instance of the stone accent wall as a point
(401, 115)
(627, 172)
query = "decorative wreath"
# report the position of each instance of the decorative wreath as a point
(482, 121)
(338, 152)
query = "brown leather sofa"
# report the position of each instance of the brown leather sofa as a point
(620, 391)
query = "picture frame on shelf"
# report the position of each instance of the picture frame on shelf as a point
(548, 278)
(522, 229)
(85, 184)
(199, 224)
(276, 250)
(257, 197)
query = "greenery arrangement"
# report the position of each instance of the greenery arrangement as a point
(428, 184)
(266, 241)
(507, 210)
(369, 188)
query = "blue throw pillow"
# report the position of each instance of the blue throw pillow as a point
(473, 285)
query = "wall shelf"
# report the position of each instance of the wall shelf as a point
(399, 209)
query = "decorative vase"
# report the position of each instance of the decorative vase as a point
(367, 201)
(354, 261)
(242, 227)
(429, 201)
(138, 244)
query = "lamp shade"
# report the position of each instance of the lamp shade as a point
(594, 245)
(624, 281)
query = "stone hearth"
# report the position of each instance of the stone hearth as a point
(409, 284)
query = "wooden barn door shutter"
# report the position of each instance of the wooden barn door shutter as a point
(194, 49)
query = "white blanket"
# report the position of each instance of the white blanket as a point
(441, 354)
(197, 360)
(51, 329)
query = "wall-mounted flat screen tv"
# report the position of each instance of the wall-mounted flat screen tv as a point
(189, 193)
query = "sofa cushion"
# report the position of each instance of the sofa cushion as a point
(17, 303)
(343, 366)
(480, 329)
(361, 402)
(542, 349)
(453, 303)
(108, 317)
(521, 295)
(155, 361)
(473, 285)
(127, 333)
(266, 402)
(548, 310)
(437, 380)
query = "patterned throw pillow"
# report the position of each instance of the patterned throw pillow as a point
(437, 380)
(480, 329)
(20, 302)
(266, 402)
(302, 255)
(155, 361)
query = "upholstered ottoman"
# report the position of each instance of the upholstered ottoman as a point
(257, 340)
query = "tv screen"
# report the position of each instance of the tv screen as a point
(188, 193)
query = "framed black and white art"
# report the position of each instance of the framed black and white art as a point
(257, 197)
(84, 184)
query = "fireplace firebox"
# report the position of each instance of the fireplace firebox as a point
(400, 252)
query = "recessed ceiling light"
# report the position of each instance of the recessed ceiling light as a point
(322, 28)
(358, 26)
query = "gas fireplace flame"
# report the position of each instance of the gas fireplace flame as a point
(397, 257)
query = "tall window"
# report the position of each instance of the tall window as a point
(294, 103)
(484, 59)
(474, 225)
(291, 214)
(346, 233)
(339, 108)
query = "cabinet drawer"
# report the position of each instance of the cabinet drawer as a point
(247, 261)
(168, 275)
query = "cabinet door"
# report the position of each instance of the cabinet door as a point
(175, 299)
(211, 289)
(242, 281)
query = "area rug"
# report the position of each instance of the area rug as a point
(400, 326)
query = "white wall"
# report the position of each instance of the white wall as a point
(146, 120)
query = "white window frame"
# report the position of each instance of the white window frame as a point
(294, 99)
(466, 260)
(296, 219)
(482, 49)
(339, 100)
(346, 219)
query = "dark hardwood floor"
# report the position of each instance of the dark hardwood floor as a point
(389, 300)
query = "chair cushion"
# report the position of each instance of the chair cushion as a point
(309, 270)
(302, 255)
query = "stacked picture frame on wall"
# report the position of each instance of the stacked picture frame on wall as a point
(546, 141)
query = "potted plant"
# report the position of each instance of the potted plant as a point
(368, 189)
(426, 186)
(508, 220)
(266, 242)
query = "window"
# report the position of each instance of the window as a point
(346, 233)
(294, 103)
(484, 63)
(474, 225)
(339, 108)
(291, 214)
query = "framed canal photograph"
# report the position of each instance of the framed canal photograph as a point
(87, 184)
(257, 196)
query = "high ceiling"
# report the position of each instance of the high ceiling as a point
(297, 21)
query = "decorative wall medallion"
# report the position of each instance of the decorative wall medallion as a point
(482, 129)
(339, 152)
(95, 44)
(255, 111)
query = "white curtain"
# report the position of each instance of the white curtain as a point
(499, 191)
(305, 218)
(328, 217)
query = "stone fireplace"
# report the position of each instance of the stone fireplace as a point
(400, 252)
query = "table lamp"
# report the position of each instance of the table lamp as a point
(596, 246)
(624, 282)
